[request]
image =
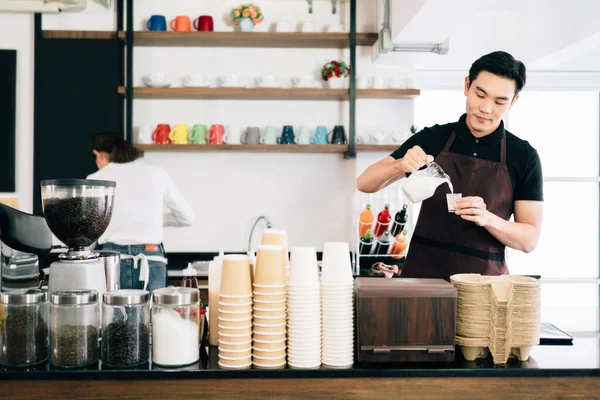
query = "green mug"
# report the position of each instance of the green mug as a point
(198, 134)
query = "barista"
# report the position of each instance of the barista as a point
(497, 173)
(136, 228)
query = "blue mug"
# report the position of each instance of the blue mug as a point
(287, 136)
(320, 136)
(157, 23)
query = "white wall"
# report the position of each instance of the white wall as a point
(16, 33)
(312, 196)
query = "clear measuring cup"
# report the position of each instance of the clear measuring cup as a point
(421, 185)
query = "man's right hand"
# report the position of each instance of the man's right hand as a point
(414, 159)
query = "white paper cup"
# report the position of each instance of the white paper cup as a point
(304, 269)
(336, 266)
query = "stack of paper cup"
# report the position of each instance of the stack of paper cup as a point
(235, 313)
(304, 309)
(269, 333)
(337, 306)
(278, 237)
(214, 286)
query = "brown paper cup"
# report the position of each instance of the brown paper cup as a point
(270, 321)
(277, 237)
(269, 288)
(268, 337)
(270, 314)
(228, 355)
(224, 365)
(235, 309)
(264, 345)
(228, 300)
(270, 268)
(268, 362)
(234, 338)
(280, 353)
(235, 276)
(234, 347)
(235, 315)
(281, 296)
(237, 323)
(270, 304)
(235, 330)
(270, 328)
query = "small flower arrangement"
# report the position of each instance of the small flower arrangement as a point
(249, 10)
(335, 69)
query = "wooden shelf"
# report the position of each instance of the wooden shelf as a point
(377, 147)
(267, 93)
(251, 39)
(79, 34)
(258, 148)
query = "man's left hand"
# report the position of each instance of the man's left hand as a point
(472, 209)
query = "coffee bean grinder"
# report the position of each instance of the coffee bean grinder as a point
(77, 212)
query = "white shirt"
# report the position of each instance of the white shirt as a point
(142, 193)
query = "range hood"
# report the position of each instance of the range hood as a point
(386, 45)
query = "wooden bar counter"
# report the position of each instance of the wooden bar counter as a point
(551, 372)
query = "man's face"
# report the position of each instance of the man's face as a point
(489, 97)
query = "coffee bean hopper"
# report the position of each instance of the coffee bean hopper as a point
(77, 212)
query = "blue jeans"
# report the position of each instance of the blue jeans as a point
(130, 277)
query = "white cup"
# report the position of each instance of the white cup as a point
(303, 136)
(283, 26)
(304, 81)
(336, 262)
(267, 80)
(144, 135)
(304, 269)
(156, 79)
(233, 134)
(362, 82)
(308, 26)
(396, 83)
(336, 28)
(379, 82)
(197, 79)
(230, 80)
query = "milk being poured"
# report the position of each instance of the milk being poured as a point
(419, 188)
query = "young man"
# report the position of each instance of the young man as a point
(497, 173)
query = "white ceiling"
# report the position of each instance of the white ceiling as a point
(547, 35)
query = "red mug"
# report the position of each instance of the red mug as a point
(204, 23)
(161, 134)
(215, 134)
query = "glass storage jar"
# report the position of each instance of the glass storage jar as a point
(74, 325)
(175, 326)
(24, 339)
(125, 327)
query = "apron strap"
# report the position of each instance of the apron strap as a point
(145, 268)
(503, 150)
(450, 141)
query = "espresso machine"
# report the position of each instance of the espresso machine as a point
(77, 212)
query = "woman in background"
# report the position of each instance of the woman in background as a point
(136, 229)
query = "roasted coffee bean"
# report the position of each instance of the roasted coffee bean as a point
(23, 338)
(78, 221)
(125, 343)
(74, 345)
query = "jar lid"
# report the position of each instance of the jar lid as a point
(176, 296)
(24, 296)
(74, 297)
(77, 182)
(126, 297)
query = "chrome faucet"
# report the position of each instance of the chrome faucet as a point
(254, 227)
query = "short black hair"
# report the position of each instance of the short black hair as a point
(502, 64)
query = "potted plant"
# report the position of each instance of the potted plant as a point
(246, 16)
(334, 73)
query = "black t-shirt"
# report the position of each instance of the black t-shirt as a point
(523, 162)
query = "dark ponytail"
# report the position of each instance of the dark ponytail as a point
(120, 151)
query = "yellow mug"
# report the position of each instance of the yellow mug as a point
(179, 134)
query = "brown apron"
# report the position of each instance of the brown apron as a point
(443, 243)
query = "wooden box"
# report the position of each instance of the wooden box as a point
(405, 320)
